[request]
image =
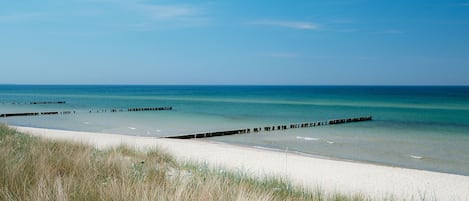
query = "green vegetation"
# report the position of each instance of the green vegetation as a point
(37, 169)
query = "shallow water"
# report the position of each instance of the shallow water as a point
(415, 127)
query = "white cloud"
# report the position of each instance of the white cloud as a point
(152, 15)
(287, 24)
(156, 11)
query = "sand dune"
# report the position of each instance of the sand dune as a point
(312, 172)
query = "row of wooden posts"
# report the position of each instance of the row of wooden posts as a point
(149, 109)
(271, 128)
(47, 102)
(36, 103)
(341, 121)
(35, 113)
(70, 112)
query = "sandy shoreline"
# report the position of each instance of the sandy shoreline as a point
(330, 175)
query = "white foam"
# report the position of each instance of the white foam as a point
(415, 157)
(158, 131)
(311, 138)
(86, 122)
(307, 138)
(266, 148)
(330, 142)
(132, 128)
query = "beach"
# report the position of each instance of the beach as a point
(312, 172)
(232, 100)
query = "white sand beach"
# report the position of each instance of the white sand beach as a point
(312, 172)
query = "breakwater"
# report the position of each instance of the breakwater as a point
(272, 128)
(47, 102)
(149, 109)
(90, 111)
(36, 103)
(35, 113)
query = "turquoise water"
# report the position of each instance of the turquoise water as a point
(414, 127)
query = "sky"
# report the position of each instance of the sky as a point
(235, 42)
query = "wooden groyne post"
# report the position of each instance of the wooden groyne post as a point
(20, 114)
(149, 109)
(272, 128)
(34, 114)
(35, 102)
(70, 112)
(47, 102)
(341, 121)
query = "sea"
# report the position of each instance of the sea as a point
(418, 127)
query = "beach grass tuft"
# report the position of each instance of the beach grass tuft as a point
(33, 168)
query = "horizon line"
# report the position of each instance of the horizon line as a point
(319, 85)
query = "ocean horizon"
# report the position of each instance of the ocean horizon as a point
(419, 127)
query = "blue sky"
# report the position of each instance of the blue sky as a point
(314, 42)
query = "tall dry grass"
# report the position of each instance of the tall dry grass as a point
(38, 169)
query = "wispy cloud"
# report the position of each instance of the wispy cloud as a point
(287, 24)
(184, 15)
(341, 25)
(154, 12)
(153, 15)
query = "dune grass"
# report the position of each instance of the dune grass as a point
(32, 168)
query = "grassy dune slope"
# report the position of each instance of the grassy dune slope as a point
(37, 169)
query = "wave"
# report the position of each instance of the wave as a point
(314, 139)
(416, 157)
(267, 148)
(307, 138)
